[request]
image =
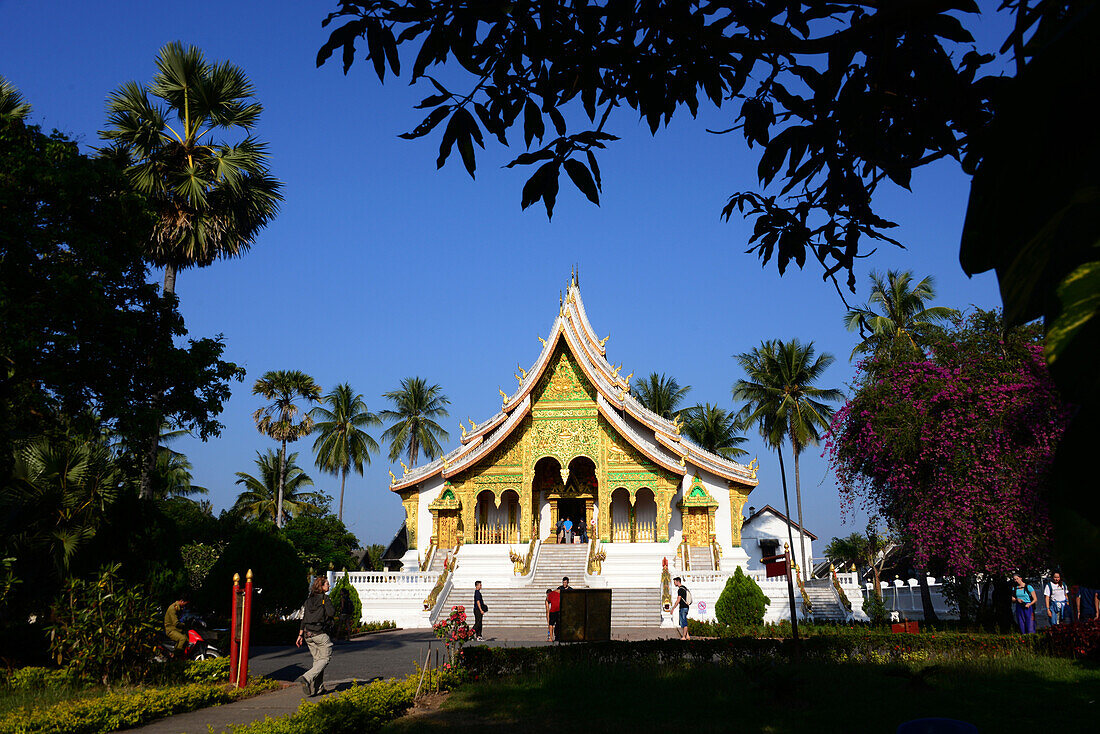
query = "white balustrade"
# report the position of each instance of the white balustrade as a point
(427, 578)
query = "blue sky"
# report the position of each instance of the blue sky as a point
(380, 267)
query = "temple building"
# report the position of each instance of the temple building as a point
(572, 442)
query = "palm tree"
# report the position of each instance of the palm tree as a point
(782, 401)
(342, 445)
(211, 197)
(904, 324)
(277, 418)
(660, 394)
(59, 493)
(416, 408)
(262, 497)
(714, 429)
(12, 105)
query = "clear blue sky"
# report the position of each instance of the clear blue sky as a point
(379, 267)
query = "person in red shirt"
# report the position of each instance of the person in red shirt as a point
(553, 605)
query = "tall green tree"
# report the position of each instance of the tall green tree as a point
(780, 397)
(896, 320)
(416, 408)
(278, 492)
(213, 195)
(279, 419)
(660, 394)
(342, 445)
(714, 429)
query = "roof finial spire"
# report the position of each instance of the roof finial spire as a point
(577, 277)
(573, 275)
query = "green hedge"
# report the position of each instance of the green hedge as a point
(123, 710)
(863, 647)
(362, 709)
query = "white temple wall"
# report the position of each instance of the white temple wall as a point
(430, 493)
(675, 518)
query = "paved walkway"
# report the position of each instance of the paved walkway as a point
(382, 655)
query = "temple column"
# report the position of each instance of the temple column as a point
(737, 502)
(411, 501)
(468, 531)
(525, 507)
(553, 517)
(588, 504)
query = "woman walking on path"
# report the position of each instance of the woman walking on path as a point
(317, 617)
(1057, 598)
(1024, 597)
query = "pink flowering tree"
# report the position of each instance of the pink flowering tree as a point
(955, 450)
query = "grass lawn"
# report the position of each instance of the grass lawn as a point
(1020, 693)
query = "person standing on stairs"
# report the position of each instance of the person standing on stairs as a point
(479, 610)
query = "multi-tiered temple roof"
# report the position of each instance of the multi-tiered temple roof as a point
(656, 438)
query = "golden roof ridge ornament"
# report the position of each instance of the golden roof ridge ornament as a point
(542, 340)
(473, 426)
(503, 396)
(404, 467)
(615, 370)
(627, 378)
(393, 479)
(463, 427)
(522, 371)
(677, 425)
(603, 342)
(752, 467)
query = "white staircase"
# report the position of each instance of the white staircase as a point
(524, 606)
(700, 558)
(826, 606)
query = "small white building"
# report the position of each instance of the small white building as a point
(764, 532)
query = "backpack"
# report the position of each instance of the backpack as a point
(687, 595)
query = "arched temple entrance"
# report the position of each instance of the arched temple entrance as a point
(559, 494)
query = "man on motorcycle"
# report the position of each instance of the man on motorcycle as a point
(172, 625)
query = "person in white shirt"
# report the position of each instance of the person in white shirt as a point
(1057, 599)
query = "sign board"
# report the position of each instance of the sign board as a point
(702, 608)
(585, 615)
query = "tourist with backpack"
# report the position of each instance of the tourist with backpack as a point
(1023, 596)
(1057, 599)
(680, 606)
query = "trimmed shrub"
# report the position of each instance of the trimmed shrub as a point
(211, 670)
(31, 678)
(343, 586)
(875, 610)
(741, 603)
(276, 568)
(1077, 640)
(360, 710)
(105, 629)
(114, 711)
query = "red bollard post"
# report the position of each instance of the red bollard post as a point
(246, 629)
(234, 630)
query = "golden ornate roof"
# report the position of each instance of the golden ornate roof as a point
(661, 442)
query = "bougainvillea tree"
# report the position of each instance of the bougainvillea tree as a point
(955, 450)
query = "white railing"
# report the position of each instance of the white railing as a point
(705, 577)
(393, 577)
(496, 533)
(642, 532)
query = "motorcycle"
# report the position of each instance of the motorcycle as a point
(199, 641)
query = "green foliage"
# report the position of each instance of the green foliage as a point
(104, 629)
(363, 709)
(276, 568)
(211, 670)
(261, 498)
(660, 394)
(125, 709)
(715, 429)
(31, 677)
(342, 445)
(857, 644)
(198, 559)
(343, 586)
(417, 407)
(377, 626)
(741, 602)
(321, 538)
(875, 610)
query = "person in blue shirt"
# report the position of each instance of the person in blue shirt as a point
(1023, 597)
(567, 530)
(1086, 602)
